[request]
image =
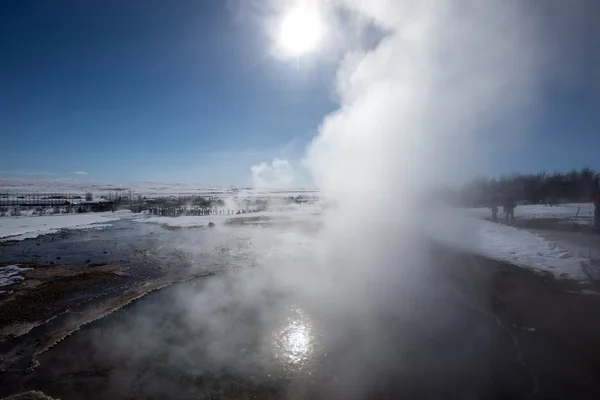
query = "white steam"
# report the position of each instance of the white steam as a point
(411, 112)
(278, 175)
(412, 108)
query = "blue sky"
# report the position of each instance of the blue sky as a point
(143, 90)
(139, 90)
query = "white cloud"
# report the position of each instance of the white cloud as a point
(278, 174)
(80, 173)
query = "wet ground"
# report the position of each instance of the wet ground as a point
(462, 327)
(125, 243)
(39, 296)
(78, 276)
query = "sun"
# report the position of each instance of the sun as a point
(300, 32)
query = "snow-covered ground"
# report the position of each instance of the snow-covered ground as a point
(19, 228)
(544, 251)
(460, 228)
(199, 221)
(290, 213)
(29, 227)
(580, 211)
(506, 243)
(149, 189)
(465, 232)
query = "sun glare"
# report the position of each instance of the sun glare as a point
(301, 31)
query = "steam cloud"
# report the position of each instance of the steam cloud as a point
(411, 111)
(280, 174)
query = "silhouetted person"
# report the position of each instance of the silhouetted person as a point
(509, 209)
(494, 206)
(494, 209)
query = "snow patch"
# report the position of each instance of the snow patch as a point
(10, 274)
(506, 243)
(20, 228)
(291, 214)
(21, 185)
(580, 211)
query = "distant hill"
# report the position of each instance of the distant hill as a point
(21, 185)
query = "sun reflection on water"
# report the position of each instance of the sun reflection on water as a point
(294, 340)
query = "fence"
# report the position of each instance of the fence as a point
(177, 212)
(39, 199)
